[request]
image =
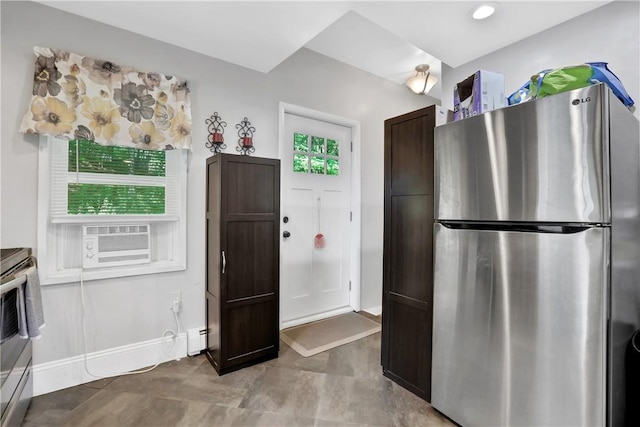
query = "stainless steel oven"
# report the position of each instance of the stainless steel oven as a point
(15, 352)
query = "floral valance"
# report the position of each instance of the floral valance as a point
(77, 97)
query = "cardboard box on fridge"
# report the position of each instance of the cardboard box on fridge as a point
(443, 116)
(481, 92)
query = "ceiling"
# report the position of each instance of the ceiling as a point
(385, 38)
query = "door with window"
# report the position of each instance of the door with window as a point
(315, 249)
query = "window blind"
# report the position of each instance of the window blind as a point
(90, 181)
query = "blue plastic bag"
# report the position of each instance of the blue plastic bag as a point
(602, 74)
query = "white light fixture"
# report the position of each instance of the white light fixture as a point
(484, 11)
(423, 81)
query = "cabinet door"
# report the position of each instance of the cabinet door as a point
(408, 241)
(250, 290)
(249, 230)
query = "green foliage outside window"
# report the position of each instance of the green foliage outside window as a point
(125, 198)
(321, 158)
(300, 142)
(317, 164)
(105, 199)
(96, 158)
(332, 147)
(300, 163)
(333, 167)
(317, 145)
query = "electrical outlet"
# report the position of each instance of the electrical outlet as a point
(175, 300)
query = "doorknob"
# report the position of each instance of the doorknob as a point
(286, 234)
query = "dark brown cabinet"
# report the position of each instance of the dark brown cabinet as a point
(407, 297)
(242, 253)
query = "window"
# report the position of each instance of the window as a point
(83, 183)
(92, 181)
(316, 155)
(111, 180)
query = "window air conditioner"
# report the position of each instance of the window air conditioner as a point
(115, 245)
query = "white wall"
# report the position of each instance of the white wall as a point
(610, 34)
(130, 310)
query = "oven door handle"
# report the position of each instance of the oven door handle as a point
(16, 282)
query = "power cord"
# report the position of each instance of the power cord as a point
(175, 307)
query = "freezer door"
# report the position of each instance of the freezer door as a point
(519, 327)
(544, 160)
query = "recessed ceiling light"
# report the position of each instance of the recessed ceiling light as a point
(484, 11)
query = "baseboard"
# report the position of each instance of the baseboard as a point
(314, 317)
(376, 311)
(70, 372)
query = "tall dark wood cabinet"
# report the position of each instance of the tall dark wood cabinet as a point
(407, 296)
(242, 252)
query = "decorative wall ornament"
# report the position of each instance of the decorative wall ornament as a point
(215, 140)
(245, 137)
(77, 97)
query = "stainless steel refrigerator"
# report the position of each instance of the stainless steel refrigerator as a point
(537, 262)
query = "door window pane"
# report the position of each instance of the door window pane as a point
(300, 142)
(300, 163)
(317, 164)
(333, 168)
(317, 145)
(332, 147)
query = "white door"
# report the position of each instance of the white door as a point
(315, 171)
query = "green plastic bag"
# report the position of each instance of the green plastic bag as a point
(560, 80)
(549, 82)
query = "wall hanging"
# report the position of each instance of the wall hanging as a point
(245, 137)
(77, 97)
(215, 140)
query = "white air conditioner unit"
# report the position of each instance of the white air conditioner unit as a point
(115, 245)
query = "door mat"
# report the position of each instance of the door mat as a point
(316, 337)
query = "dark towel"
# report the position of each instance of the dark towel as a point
(9, 317)
(30, 314)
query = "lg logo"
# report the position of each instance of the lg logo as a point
(581, 101)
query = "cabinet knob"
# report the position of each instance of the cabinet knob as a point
(286, 234)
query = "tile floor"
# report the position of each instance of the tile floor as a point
(340, 387)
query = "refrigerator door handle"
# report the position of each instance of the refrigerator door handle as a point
(520, 227)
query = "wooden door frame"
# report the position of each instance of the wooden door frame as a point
(355, 200)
